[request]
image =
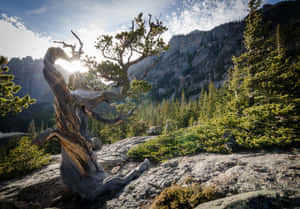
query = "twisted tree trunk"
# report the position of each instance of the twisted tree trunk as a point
(79, 168)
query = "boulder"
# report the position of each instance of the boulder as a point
(154, 131)
(97, 143)
(258, 199)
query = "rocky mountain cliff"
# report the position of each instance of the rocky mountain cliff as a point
(196, 58)
(246, 180)
(28, 73)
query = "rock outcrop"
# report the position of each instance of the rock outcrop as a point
(232, 174)
(257, 199)
(270, 177)
(192, 61)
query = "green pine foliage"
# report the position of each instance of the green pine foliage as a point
(169, 115)
(189, 141)
(265, 83)
(22, 159)
(121, 51)
(113, 133)
(9, 102)
(259, 107)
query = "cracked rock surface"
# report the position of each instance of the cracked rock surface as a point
(232, 174)
(265, 175)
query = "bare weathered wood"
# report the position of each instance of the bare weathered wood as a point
(44, 136)
(79, 169)
(75, 54)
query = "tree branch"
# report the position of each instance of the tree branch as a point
(80, 52)
(130, 55)
(12, 134)
(136, 60)
(108, 57)
(93, 98)
(43, 137)
(75, 54)
(99, 118)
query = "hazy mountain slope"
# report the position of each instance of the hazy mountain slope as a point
(196, 58)
(28, 73)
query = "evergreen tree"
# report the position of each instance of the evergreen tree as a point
(211, 99)
(265, 83)
(246, 65)
(9, 102)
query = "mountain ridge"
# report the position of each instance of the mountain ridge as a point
(200, 56)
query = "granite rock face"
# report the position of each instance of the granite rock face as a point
(258, 199)
(232, 174)
(192, 61)
(44, 187)
(196, 58)
(277, 173)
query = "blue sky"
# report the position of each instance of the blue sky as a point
(29, 26)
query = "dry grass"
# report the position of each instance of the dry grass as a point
(184, 197)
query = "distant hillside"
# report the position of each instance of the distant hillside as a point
(196, 58)
(28, 73)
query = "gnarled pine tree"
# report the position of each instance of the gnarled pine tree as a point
(79, 169)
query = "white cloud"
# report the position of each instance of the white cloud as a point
(90, 19)
(188, 15)
(204, 15)
(37, 11)
(18, 41)
(107, 15)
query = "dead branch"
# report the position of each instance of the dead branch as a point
(75, 54)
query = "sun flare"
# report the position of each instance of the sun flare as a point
(72, 67)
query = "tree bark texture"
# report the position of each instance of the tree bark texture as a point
(79, 168)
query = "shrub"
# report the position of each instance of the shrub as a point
(22, 159)
(164, 147)
(183, 142)
(136, 128)
(184, 197)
